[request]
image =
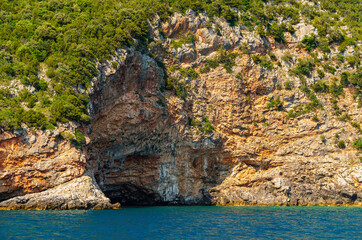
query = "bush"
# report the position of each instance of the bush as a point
(34, 119)
(320, 87)
(304, 67)
(188, 38)
(70, 106)
(356, 125)
(320, 73)
(263, 62)
(335, 89)
(225, 58)
(357, 144)
(315, 118)
(78, 139)
(324, 46)
(329, 69)
(277, 32)
(310, 42)
(341, 144)
(239, 76)
(204, 126)
(335, 36)
(276, 104)
(189, 73)
(344, 79)
(314, 104)
(288, 85)
(266, 64)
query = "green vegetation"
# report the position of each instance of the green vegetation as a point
(224, 58)
(320, 87)
(179, 87)
(341, 144)
(320, 73)
(356, 81)
(302, 109)
(203, 126)
(356, 125)
(188, 38)
(77, 138)
(276, 104)
(304, 67)
(263, 61)
(288, 85)
(315, 118)
(358, 144)
(66, 38)
(189, 73)
(310, 42)
(239, 76)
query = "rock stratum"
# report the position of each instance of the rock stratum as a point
(211, 139)
(79, 193)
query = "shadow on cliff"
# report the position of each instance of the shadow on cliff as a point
(141, 150)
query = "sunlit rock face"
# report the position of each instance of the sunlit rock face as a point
(144, 149)
(79, 193)
(33, 161)
(141, 151)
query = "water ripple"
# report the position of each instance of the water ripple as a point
(185, 223)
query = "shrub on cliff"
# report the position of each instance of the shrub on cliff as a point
(34, 119)
(276, 104)
(304, 67)
(277, 32)
(227, 59)
(188, 38)
(320, 87)
(263, 61)
(68, 38)
(203, 126)
(70, 106)
(288, 85)
(358, 144)
(341, 144)
(310, 42)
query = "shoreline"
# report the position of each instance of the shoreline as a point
(118, 206)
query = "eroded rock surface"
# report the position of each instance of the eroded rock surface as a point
(140, 149)
(79, 193)
(144, 148)
(33, 161)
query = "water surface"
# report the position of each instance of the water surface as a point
(185, 223)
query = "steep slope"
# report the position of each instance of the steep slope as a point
(209, 114)
(149, 151)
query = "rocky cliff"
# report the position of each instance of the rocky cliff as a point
(170, 127)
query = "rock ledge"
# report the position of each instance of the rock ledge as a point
(80, 193)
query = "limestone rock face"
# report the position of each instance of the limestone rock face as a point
(35, 161)
(147, 142)
(140, 150)
(321, 181)
(79, 193)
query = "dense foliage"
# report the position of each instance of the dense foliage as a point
(65, 38)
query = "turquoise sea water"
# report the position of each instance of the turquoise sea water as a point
(185, 223)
